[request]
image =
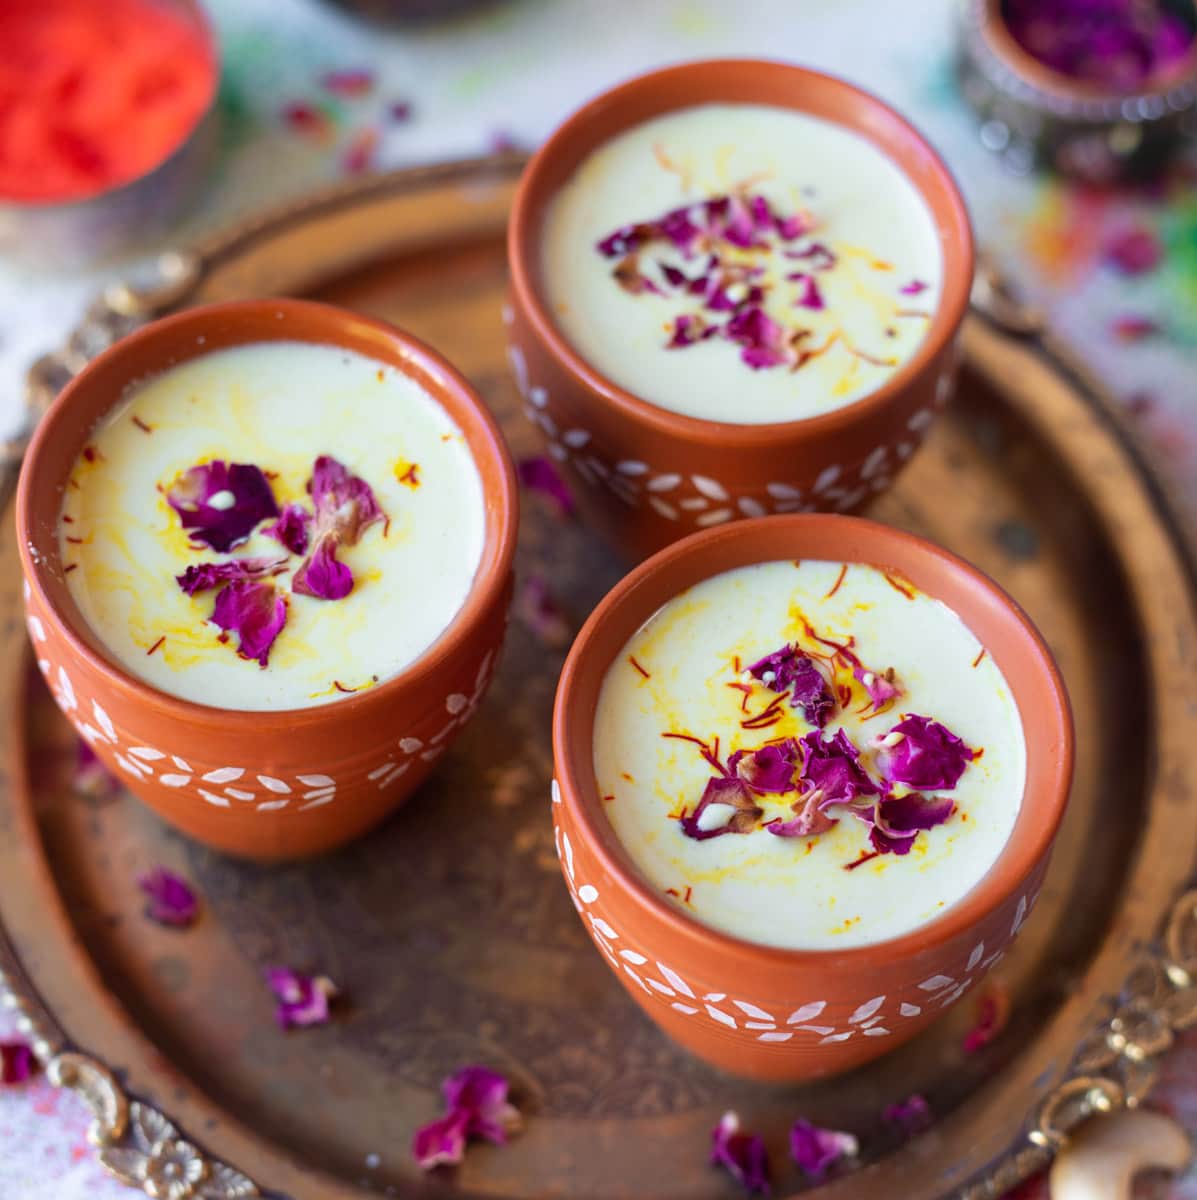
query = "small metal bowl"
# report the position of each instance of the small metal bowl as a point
(1034, 116)
(79, 233)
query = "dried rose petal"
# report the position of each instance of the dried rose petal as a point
(833, 766)
(923, 754)
(817, 254)
(912, 1114)
(91, 777)
(913, 288)
(538, 474)
(202, 577)
(789, 670)
(1134, 251)
(320, 575)
(478, 1107)
(743, 1154)
(302, 999)
(810, 296)
(881, 688)
(17, 1063)
(726, 806)
(897, 820)
(541, 614)
(993, 1011)
(255, 612)
(441, 1142)
(291, 528)
(817, 1150)
(760, 336)
(170, 899)
(771, 769)
(809, 819)
(345, 504)
(221, 504)
(482, 1094)
(689, 329)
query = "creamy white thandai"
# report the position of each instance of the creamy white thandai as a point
(809, 755)
(272, 526)
(742, 263)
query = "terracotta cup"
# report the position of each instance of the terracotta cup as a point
(647, 476)
(267, 785)
(787, 1014)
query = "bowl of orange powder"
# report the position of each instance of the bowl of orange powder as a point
(107, 123)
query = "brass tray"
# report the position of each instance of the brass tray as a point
(449, 929)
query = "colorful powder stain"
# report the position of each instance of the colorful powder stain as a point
(1063, 234)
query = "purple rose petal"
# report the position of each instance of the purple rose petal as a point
(809, 296)
(255, 612)
(291, 528)
(689, 329)
(743, 1154)
(17, 1063)
(726, 806)
(221, 504)
(170, 899)
(476, 1099)
(769, 770)
(833, 766)
(922, 754)
(897, 820)
(344, 503)
(817, 1150)
(302, 999)
(911, 1115)
(881, 688)
(993, 1011)
(914, 288)
(441, 1142)
(789, 670)
(540, 612)
(320, 575)
(202, 577)
(760, 337)
(538, 474)
(91, 777)
(816, 254)
(809, 819)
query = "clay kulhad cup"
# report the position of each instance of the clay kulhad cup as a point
(791, 1015)
(265, 785)
(646, 476)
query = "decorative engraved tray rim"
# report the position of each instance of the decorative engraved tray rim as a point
(1139, 987)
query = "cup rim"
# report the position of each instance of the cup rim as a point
(579, 791)
(523, 249)
(438, 375)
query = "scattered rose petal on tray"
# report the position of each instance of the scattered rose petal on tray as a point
(817, 1150)
(538, 474)
(255, 612)
(170, 898)
(302, 999)
(539, 611)
(91, 777)
(221, 504)
(912, 1115)
(477, 1104)
(17, 1063)
(348, 84)
(742, 1154)
(993, 1011)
